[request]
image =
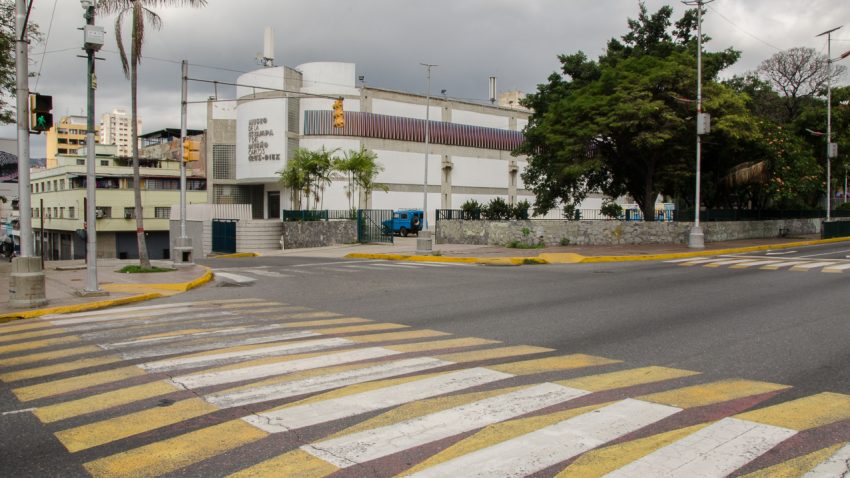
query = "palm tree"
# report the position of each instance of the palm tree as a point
(140, 13)
(365, 170)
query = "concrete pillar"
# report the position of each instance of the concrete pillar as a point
(446, 186)
(26, 283)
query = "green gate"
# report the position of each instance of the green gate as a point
(371, 228)
(833, 229)
(224, 236)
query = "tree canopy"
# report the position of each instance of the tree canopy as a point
(7, 58)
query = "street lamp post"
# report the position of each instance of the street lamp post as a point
(830, 149)
(183, 246)
(427, 142)
(696, 238)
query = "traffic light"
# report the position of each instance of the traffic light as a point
(41, 117)
(191, 150)
(338, 114)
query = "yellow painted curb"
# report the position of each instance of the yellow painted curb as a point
(66, 309)
(172, 287)
(493, 261)
(235, 255)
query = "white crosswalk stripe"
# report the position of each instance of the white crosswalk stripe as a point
(838, 465)
(183, 349)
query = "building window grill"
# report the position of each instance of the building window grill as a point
(224, 161)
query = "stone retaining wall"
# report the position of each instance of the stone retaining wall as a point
(557, 232)
(301, 234)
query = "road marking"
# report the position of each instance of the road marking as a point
(361, 328)
(242, 355)
(394, 336)
(716, 450)
(780, 265)
(715, 392)
(245, 396)
(220, 377)
(441, 345)
(188, 334)
(231, 277)
(424, 264)
(296, 463)
(103, 401)
(687, 259)
(825, 254)
(535, 451)
(727, 262)
(379, 442)
(398, 266)
(781, 253)
(107, 431)
(122, 316)
(695, 262)
(368, 268)
(300, 416)
(796, 467)
(804, 413)
(806, 267)
(52, 355)
(265, 273)
(172, 454)
(626, 378)
(490, 354)
(552, 364)
(58, 387)
(37, 344)
(199, 347)
(837, 465)
(324, 322)
(838, 268)
(58, 368)
(29, 335)
(15, 412)
(753, 264)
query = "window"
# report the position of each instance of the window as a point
(61, 213)
(104, 162)
(62, 184)
(71, 212)
(103, 212)
(129, 213)
(81, 162)
(55, 212)
(162, 184)
(162, 212)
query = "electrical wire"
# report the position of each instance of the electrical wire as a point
(771, 45)
(46, 41)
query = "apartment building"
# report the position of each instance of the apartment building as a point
(67, 137)
(115, 129)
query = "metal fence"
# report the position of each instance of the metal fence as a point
(318, 215)
(665, 215)
(710, 215)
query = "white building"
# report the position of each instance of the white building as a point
(115, 129)
(251, 139)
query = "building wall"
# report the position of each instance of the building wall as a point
(67, 137)
(115, 129)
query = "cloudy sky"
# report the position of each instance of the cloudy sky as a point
(516, 40)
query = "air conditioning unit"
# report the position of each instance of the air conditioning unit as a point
(98, 213)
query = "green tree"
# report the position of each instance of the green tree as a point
(366, 169)
(294, 177)
(7, 57)
(623, 124)
(140, 13)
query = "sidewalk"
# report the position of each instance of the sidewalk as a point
(64, 278)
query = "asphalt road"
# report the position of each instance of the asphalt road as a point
(305, 367)
(787, 326)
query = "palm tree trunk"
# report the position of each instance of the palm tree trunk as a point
(144, 260)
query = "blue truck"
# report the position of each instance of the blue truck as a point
(404, 222)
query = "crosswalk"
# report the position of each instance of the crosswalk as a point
(248, 275)
(249, 388)
(765, 263)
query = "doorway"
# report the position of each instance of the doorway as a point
(274, 204)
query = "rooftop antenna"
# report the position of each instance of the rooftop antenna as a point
(267, 57)
(493, 89)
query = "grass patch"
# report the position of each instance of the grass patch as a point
(142, 270)
(522, 245)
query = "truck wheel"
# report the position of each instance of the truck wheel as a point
(403, 231)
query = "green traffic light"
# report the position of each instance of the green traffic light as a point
(41, 122)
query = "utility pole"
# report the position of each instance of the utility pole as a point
(91, 36)
(183, 246)
(427, 141)
(696, 238)
(26, 285)
(831, 151)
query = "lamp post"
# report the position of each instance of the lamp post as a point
(696, 238)
(91, 36)
(26, 284)
(427, 142)
(183, 246)
(831, 148)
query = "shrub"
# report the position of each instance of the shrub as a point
(520, 210)
(612, 210)
(499, 210)
(471, 209)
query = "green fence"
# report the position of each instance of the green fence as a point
(835, 229)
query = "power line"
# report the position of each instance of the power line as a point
(46, 41)
(771, 45)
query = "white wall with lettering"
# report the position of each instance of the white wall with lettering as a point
(261, 139)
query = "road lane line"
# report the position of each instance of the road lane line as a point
(169, 455)
(553, 444)
(242, 355)
(220, 377)
(716, 450)
(379, 442)
(107, 431)
(321, 383)
(299, 416)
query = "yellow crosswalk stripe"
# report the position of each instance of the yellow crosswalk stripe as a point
(103, 401)
(58, 368)
(715, 392)
(625, 378)
(322, 323)
(296, 463)
(489, 354)
(247, 305)
(57, 387)
(29, 335)
(52, 355)
(19, 327)
(597, 463)
(107, 431)
(440, 344)
(393, 336)
(37, 344)
(804, 413)
(795, 467)
(552, 364)
(310, 315)
(174, 333)
(361, 328)
(162, 457)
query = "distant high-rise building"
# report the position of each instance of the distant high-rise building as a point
(511, 99)
(66, 137)
(115, 129)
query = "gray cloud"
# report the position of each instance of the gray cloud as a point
(518, 41)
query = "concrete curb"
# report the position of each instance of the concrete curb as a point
(573, 258)
(235, 255)
(146, 292)
(86, 306)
